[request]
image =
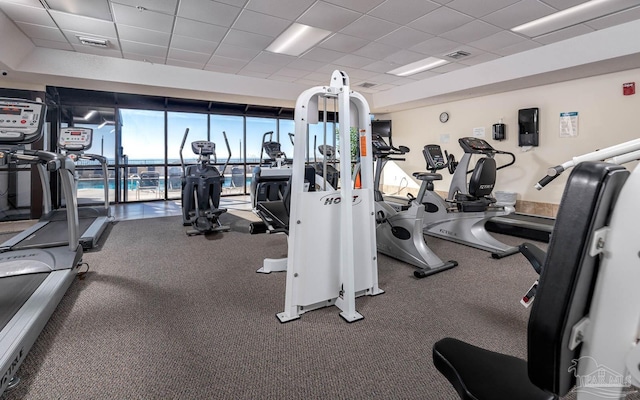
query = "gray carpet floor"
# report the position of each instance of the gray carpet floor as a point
(164, 316)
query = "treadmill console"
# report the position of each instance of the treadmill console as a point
(433, 155)
(379, 145)
(20, 120)
(475, 145)
(75, 139)
(203, 147)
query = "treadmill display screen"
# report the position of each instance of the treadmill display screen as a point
(10, 111)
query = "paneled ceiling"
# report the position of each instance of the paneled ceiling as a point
(369, 37)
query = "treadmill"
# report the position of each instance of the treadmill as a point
(50, 230)
(32, 281)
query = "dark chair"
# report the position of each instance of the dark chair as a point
(149, 182)
(563, 298)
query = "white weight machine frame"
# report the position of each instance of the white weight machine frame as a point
(332, 255)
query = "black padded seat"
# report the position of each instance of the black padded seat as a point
(427, 176)
(276, 214)
(480, 368)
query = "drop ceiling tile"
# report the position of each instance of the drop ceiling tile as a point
(253, 74)
(254, 22)
(403, 11)
(479, 9)
(317, 76)
(224, 70)
(185, 64)
(41, 32)
(193, 44)
(563, 4)
(292, 72)
(227, 62)
(478, 59)
(443, 69)
(519, 13)
(343, 43)
(266, 57)
(328, 16)
(239, 53)
(380, 66)
(441, 20)
(164, 6)
(148, 59)
(89, 8)
(322, 55)
(383, 78)
(329, 68)
(199, 30)
(307, 65)
(140, 35)
(236, 3)
(97, 51)
(615, 19)
(52, 44)
(360, 74)
(247, 39)
(403, 57)
(362, 6)
(189, 56)
(474, 30)
(376, 50)
(404, 37)
(28, 14)
(32, 3)
(287, 9)
(370, 28)
(353, 61)
(88, 25)
(143, 49)
(497, 41)
(143, 19)
(208, 11)
(563, 34)
(517, 48)
(282, 78)
(435, 46)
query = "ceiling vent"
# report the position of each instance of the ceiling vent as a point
(458, 54)
(90, 41)
(367, 85)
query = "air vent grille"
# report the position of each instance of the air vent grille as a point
(367, 85)
(458, 54)
(96, 42)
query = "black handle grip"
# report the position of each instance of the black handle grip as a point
(550, 177)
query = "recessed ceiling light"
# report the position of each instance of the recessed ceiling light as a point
(575, 15)
(91, 41)
(297, 39)
(418, 66)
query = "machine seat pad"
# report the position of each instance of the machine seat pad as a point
(474, 371)
(274, 213)
(427, 176)
(480, 204)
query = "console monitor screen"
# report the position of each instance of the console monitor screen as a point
(381, 127)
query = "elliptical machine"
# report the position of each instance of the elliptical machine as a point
(399, 233)
(201, 188)
(271, 176)
(462, 216)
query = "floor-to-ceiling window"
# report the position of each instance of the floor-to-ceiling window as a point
(177, 124)
(235, 174)
(142, 150)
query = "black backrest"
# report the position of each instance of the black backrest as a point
(569, 273)
(483, 177)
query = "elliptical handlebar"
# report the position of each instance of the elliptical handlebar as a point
(184, 140)
(226, 141)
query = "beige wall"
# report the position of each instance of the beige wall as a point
(606, 117)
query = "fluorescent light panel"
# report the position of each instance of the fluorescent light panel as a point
(575, 15)
(418, 66)
(297, 39)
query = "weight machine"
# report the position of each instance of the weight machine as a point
(340, 235)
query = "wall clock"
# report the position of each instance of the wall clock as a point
(444, 117)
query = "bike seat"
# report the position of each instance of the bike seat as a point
(427, 176)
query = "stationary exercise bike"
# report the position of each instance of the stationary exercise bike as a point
(201, 188)
(271, 176)
(462, 216)
(399, 233)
